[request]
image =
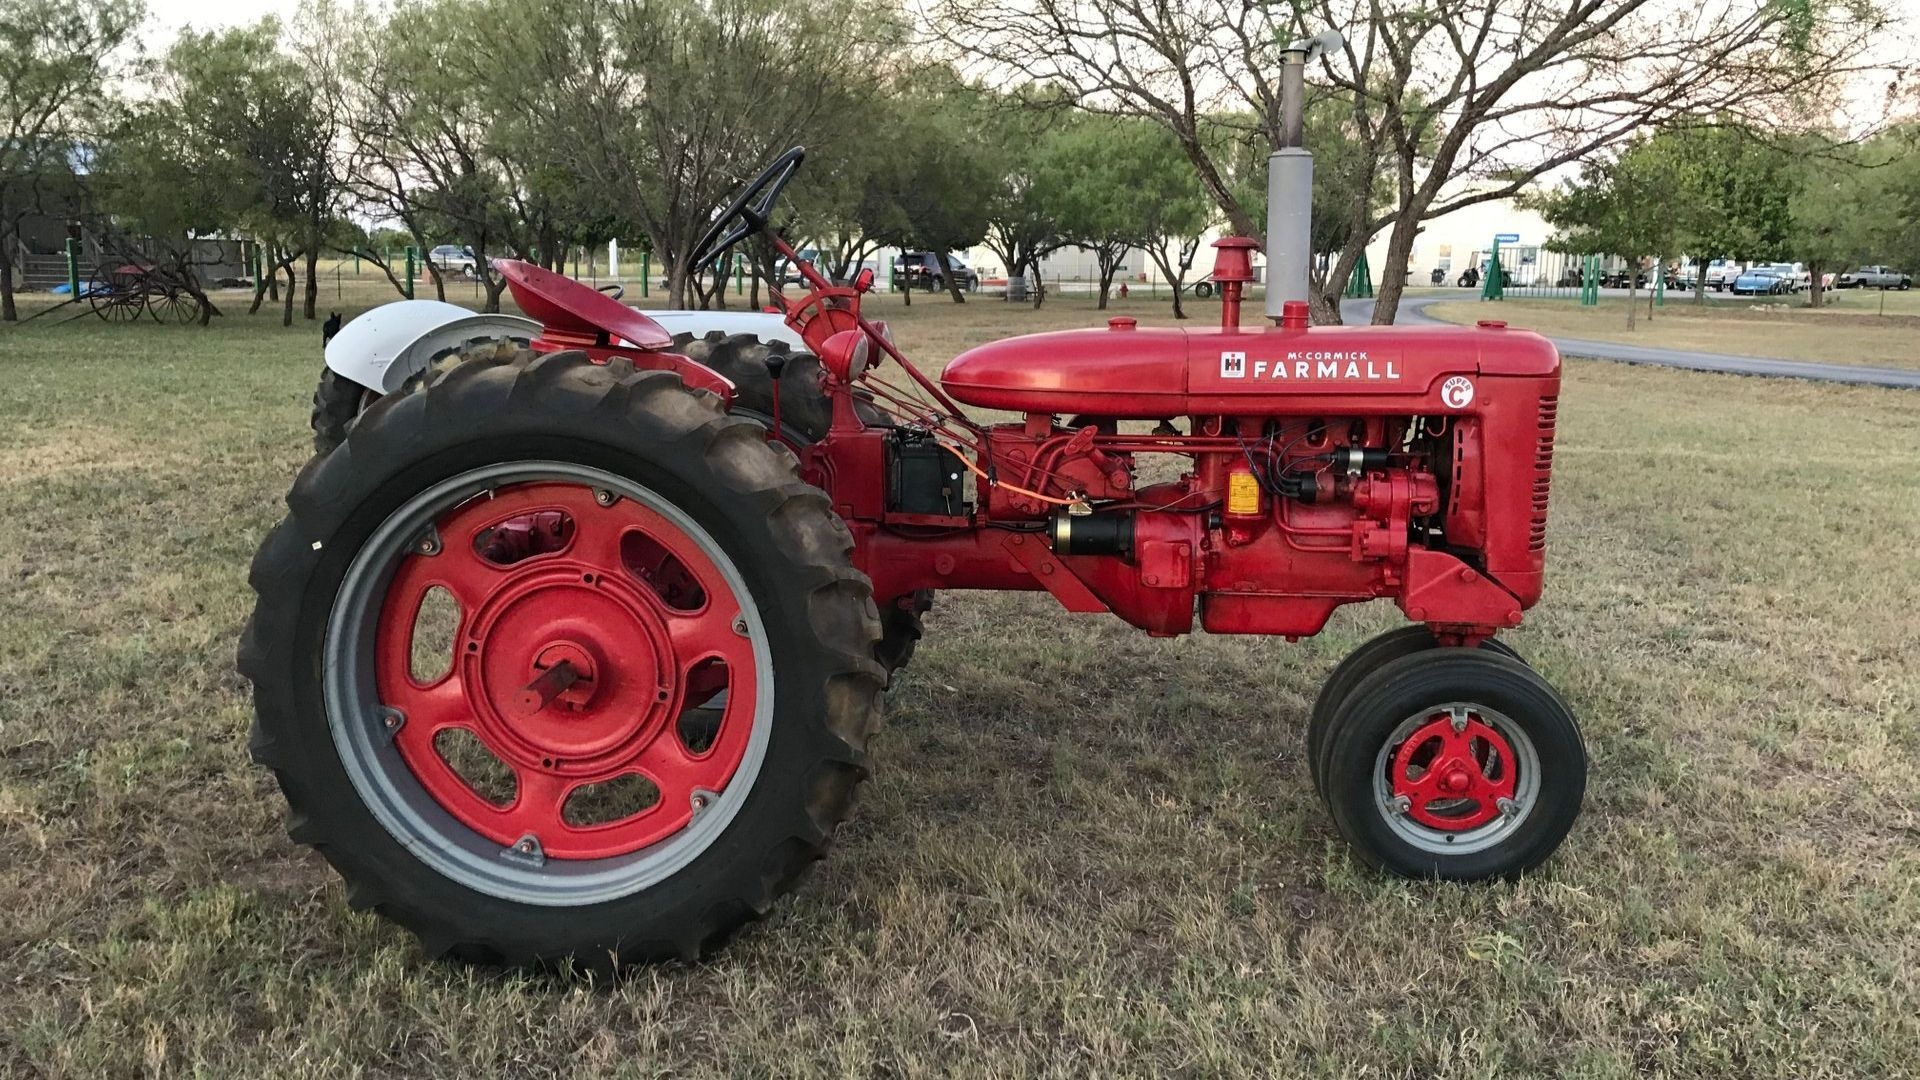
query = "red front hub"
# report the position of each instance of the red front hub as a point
(1454, 772)
(590, 627)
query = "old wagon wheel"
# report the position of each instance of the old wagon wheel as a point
(117, 293)
(171, 303)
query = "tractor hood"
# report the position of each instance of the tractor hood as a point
(1125, 371)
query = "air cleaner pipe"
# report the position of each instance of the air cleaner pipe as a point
(1290, 180)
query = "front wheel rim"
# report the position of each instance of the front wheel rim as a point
(1456, 779)
(551, 565)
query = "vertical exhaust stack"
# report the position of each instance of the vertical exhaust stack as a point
(1290, 180)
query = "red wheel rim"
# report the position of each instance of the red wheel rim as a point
(1453, 772)
(587, 625)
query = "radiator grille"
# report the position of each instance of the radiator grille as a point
(1542, 472)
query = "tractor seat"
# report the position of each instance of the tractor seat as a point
(575, 316)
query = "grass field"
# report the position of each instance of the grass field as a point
(1852, 331)
(1083, 851)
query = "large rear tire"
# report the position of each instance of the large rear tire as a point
(607, 479)
(805, 416)
(338, 401)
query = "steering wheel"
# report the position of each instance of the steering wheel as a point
(615, 291)
(749, 211)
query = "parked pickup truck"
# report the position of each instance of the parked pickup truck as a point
(1875, 277)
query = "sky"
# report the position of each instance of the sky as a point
(165, 18)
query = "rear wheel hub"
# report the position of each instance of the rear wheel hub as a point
(592, 710)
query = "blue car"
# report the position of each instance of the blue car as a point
(1762, 281)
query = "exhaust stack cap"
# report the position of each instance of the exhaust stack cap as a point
(1325, 41)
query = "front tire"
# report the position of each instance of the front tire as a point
(639, 465)
(1459, 764)
(1371, 656)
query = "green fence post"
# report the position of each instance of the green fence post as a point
(410, 269)
(739, 276)
(73, 268)
(356, 264)
(646, 272)
(1360, 281)
(1659, 285)
(1490, 285)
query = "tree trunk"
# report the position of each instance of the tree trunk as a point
(947, 275)
(313, 283)
(8, 313)
(1814, 291)
(494, 284)
(190, 281)
(273, 279)
(676, 282)
(286, 306)
(1393, 270)
(1633, 290)
(1174, 270)
(1109, 266)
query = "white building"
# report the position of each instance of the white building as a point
(1455, 241)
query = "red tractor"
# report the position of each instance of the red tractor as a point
(670, 598)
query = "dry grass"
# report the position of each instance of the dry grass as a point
(1083, 851)
(1852, 331)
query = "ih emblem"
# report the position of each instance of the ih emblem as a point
(1457, 392)
(1233, 365)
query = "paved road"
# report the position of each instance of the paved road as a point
(1412, 313)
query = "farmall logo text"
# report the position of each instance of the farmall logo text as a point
(1352, 364)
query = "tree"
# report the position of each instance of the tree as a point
(56, 62)
(235, 98)
(1169, 208)
(1734, 195)
(935, 187)
(1087, 187)
(670, 105)
(1022, 226)
(160, 191)
(1629, 206)
(1458, 104)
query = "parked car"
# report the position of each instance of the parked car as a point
(1621, 278)
(1874, 277)
(1794, 274)
(790, 272)
(921, 270)
(1797, 275)
(1767, 280)
(453, 258)
(1721, 274)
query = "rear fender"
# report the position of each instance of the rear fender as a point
(380, 348)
